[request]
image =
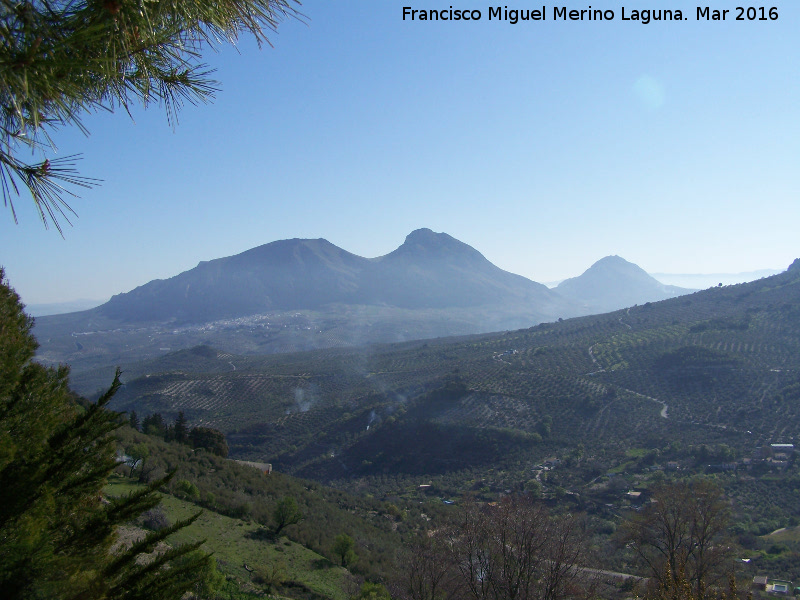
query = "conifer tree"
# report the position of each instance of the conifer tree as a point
(209, 439)
(181, 430)
(154, 425)
(56, 527)
(61, 59)
(133, 420)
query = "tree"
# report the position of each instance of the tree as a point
(344, 548)
(56, 528)
(682, 535)
(181, 431)
(211, 582)
(188, 489)
(133, 421)
(429, 573)
(516, 550)
(138, 453)
(677, 587)
(154, 425)
(286, 513)
(64, 59)
(271, 576)
(209, 439)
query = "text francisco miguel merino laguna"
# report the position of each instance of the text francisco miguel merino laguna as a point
(564, 13)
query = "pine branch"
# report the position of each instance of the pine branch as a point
(60, 60)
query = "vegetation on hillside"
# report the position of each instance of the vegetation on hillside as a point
(646, 372)
(58, 533)
(590, 416)
(577, 412)
(308, 513)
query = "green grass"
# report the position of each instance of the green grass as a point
(790, 534)
(234, 543)
(636, 452)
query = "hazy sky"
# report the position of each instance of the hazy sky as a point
(545, 145)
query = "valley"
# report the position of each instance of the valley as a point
(696, 361)
(296, 295)
(420, 409)
(587, 413)
(311, 300)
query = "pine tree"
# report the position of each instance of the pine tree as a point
(181, 431)
(56, 528)
(63, 59)
(154, 425)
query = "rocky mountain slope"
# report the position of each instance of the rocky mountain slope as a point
(430, 270)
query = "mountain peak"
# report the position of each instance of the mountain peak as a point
(428, 237)
(616, 262)
(612, 283)
(428, 244)
(421, 233)
(430, 270)
(614, 258)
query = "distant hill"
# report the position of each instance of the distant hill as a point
(613, 283)
(301, 294)
(305, 294)
(577, 411)
(287, 274)
(705, 280)
(435, 270)
(719, 366)
(58, 308)
(430, 270)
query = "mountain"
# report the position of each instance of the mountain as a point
(613, 283)
(283, 275)
(435, 270)
(304, 294)
(578, 411)
(300, 294)
(717, 369)
(430, 270)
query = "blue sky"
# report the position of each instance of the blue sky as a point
(545, 145)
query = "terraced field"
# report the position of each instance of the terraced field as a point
(718, 366)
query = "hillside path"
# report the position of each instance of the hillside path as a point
(664, 408)
(663, 404)
(627, 313)
(594, 361)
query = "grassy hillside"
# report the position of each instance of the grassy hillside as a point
(240, 502)
(235, 543)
